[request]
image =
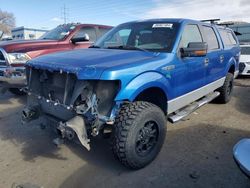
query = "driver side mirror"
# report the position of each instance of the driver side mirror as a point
(80, 39)
(194, 49)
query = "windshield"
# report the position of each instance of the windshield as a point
(59, 32)
(151, 36)
(245, 50)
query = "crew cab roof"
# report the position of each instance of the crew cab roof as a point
(180, 20)
(177, 20)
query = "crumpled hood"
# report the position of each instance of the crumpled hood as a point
(90, 63)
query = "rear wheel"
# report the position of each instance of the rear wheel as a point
(17, 91)
(139, 134)
(226, 90)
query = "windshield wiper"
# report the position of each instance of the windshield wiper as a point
(115, 47)
(94, 46)
(127, 47)
(135, 48)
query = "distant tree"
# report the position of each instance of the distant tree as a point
(7, 21)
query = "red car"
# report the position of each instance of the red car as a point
(14, 54)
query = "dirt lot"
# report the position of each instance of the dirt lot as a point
(196, 153)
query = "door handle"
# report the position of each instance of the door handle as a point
(221, 58)
(206, 61)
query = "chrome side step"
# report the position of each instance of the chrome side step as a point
(180, 114)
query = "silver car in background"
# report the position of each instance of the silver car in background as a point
(244, 65)
(241, 152)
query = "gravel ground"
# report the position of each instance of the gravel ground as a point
(197, 152)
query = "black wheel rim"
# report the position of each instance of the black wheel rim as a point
(230, 87)
(147, 138)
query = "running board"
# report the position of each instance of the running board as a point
(180, 114)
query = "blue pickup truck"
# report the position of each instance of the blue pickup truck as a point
(131, 81)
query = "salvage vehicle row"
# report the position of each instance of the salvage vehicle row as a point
(14, 54)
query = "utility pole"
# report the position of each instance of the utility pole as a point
(65, 14)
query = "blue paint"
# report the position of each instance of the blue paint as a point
(138, 70)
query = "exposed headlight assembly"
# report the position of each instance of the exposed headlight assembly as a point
(18, 58)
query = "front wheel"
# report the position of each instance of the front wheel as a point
(226, 90)
(139, 134)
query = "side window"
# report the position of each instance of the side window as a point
(231, 37)
(227, 38)
(210, 38)
(91, 31)
(191, 33)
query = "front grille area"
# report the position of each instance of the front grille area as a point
(241, 67)
(54, 86)
(2, 59)
(59, 91)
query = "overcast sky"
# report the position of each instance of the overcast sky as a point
(202, 9)
(49, 13)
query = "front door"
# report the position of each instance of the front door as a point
(189, 71)
(215, 57)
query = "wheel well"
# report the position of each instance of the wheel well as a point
(154, 95)
(232, 69)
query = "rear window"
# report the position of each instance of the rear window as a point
(245, 50)
(227, 38)
(210, 38)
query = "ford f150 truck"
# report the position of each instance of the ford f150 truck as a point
(130, 80)
(14, 54)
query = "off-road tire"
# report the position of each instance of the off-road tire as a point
(17, 91)
(130, 125)
(226, 90)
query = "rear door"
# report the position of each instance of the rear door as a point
(231, 47)
(190, 71)
(215, 59)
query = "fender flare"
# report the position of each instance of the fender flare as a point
(232, 62)
(142, 82)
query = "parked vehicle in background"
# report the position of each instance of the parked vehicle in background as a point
(15, 54)
(241, 152)
(133, 77)
(244, 65)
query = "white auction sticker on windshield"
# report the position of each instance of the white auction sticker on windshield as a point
(166, 25)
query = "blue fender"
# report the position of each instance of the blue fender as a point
(142, 82)
(233, 62)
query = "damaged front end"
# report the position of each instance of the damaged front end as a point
(75, 107)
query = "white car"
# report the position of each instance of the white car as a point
(244, 66)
